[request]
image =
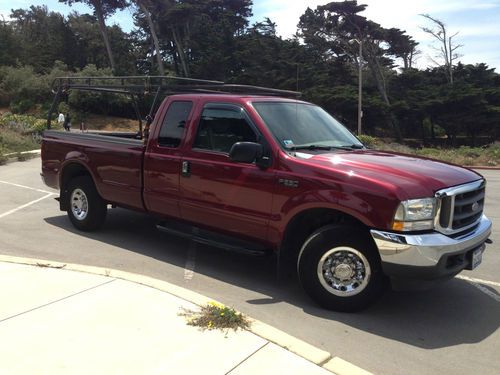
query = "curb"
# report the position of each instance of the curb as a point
(482, 167)
(37, 151)
(301, 348)
(12, 159)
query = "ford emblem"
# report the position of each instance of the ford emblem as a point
(475, 206)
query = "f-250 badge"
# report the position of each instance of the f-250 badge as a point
(289, 183)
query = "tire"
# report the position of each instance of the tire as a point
(86, 209)
(339, 268)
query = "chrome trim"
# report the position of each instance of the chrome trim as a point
(79, 204)
(344, 271)
(452, 192)
(461, 188)
(426, 250)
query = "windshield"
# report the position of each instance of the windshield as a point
(304, 126)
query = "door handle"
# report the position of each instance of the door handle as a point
(186, 168)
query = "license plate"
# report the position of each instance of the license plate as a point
(477, 257)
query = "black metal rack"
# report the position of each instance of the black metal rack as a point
(154, 85)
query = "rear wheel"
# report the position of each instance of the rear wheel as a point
(339, 268)
(86, 209)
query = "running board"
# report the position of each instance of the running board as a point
(210, 238)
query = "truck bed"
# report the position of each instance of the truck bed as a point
(113, 159)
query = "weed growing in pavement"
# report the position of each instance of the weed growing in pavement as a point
(216, 316)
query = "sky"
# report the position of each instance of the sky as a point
(477, 21)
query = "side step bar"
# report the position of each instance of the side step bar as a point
(210, 238)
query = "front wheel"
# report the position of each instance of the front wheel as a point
(339, 267)
(86, 209)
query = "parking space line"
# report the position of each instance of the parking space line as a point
(25, 205)
(478, 281)
(25, 187)
(190, 262)
(486, 291)
(480, 284)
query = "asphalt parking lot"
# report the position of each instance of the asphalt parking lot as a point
(452, 329)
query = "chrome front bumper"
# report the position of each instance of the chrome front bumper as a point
(427, 250)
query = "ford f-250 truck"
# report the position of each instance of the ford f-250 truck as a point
(260, 172)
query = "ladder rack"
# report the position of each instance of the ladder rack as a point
(149, 84)
(154, 85)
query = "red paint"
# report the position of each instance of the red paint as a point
(243, 199)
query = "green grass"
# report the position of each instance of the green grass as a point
(464, 155)
(479, 156)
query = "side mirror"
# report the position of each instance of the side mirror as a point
(245, 152)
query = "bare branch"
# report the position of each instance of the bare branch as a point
(434, 61)
(432, 32)
(440, 23)
(447, 48)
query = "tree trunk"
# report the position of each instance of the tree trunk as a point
(152, 30)
(180, 52)
(451, 61)
(152, 59)
(378, 76)
(102, 26)
(176, 62)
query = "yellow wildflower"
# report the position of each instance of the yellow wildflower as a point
(216, 305)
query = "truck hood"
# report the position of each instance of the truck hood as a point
(406, 175)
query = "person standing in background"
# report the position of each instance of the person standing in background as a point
(60, 119)
(67, 122)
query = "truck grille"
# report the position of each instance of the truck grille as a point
(461, 207)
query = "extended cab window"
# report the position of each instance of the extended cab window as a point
(174, 123)
(221, 128)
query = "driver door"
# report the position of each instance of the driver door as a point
(217, 192)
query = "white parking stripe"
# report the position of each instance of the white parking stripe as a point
(190, 262)
(25, 187)
(485, 290)
(25, 205)
(478, 281)
(478, 284)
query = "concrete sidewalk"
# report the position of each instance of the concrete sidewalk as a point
(59, 321)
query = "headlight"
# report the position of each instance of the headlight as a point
(415, 214)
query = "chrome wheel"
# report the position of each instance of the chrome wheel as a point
(344, 271)
(79, 204)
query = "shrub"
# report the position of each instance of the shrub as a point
(22, 87)
(20, 133)
(368, 141)
(21, 106)
(216, 316)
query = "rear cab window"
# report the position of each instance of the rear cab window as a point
(174, 123)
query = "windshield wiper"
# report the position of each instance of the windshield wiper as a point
(326, 148)
(352, 147)
(309, 147)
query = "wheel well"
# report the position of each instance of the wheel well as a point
(303, 225)
(69, 172)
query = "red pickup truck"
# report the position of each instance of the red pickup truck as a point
(262, 173)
